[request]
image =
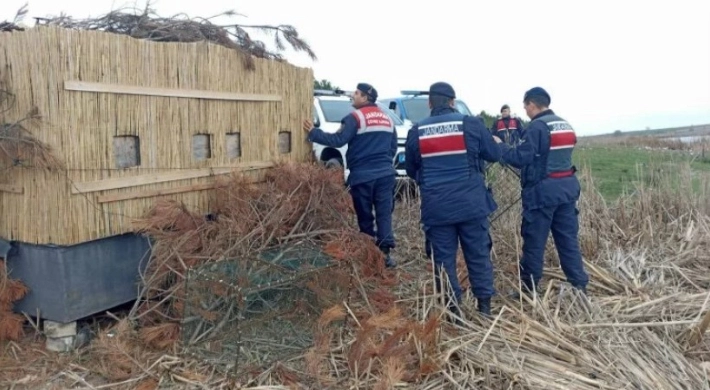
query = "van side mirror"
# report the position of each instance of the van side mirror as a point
(316, 119)
(393, 105)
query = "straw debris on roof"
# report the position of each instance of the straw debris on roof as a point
(13, 25)
(147, 24)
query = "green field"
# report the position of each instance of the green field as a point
(617, 168)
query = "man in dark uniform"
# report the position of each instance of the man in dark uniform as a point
(446, 154)
(372, 143)
(550, 191)
(507, 128)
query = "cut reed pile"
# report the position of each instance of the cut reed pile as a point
(648, 258)
(641, 327)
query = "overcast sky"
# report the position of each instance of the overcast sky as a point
(608, 65)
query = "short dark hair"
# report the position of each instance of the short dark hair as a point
(538, 100)
(439, 101)
(369, 98)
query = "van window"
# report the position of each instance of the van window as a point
(336, 110)
(418, 109)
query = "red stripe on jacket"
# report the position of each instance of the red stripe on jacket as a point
(562, 139)
(444, 144)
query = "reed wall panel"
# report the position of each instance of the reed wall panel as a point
(80, 126)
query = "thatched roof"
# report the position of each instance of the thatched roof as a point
(146, 24)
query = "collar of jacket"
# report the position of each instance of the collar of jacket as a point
(442, 111)
(543, 113)
(367, 105)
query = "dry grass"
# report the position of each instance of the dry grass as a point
(641, 327)
(653, 142)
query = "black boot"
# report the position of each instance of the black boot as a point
(389, 261)
(454, 314)
(484, 306)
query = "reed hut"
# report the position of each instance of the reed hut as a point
(96, 125)
(116, 122)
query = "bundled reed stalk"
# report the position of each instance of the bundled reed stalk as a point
(18, 147)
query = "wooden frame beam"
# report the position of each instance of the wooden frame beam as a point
(85, 86)
(141, 180)
(12, 189)
(153, 193)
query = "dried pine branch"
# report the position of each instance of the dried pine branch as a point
(18, 147)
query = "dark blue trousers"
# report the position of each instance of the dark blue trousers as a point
(378, 195)
(476, 246)
(563, 221)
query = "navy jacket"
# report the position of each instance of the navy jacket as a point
(508, 122)
(513, 125)
(544, 156)
(372, 143)
(445, 154)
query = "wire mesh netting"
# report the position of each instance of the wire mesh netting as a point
(504, 182)
(244, 314)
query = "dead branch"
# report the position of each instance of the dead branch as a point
(146, 24)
